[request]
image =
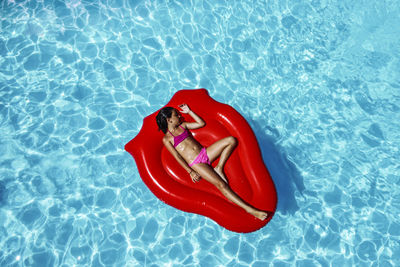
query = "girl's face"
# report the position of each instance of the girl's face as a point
(175, 117)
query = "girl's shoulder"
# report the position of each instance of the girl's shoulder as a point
(167, 138)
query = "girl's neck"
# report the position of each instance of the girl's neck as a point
(172, 128)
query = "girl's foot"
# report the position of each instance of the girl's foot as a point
(262, 215)
(220, 172)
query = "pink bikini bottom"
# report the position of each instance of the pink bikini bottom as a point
(202, 157)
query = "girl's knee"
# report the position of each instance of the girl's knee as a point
(221, 185)
(232, 140)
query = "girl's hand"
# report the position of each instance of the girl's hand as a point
(184, 108)
(195, 176)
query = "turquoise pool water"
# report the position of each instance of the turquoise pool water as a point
(319, 82)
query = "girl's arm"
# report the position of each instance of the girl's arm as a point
(198, 121)
(194, 175)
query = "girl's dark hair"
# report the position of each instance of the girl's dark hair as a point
(161, 118)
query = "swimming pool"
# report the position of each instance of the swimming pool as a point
(318, 82)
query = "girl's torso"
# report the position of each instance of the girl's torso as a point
(180, 137)
(185, 144)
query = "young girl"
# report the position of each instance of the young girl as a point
(195, 158)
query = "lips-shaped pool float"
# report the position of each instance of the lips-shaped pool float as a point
(245, 169)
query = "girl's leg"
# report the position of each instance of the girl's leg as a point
(222, 148)
(208, 173)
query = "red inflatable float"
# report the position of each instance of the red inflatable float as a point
(245, 169)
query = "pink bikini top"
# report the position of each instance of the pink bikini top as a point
(179, 138)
